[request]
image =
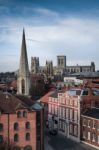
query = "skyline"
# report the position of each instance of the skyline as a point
(52, 28)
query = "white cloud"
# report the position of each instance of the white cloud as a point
(77, 38)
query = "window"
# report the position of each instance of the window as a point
(64, 115)
(1, 127)
(84, 134)
(66, 112)
(89, 123)
(56, 110)
(60, 111)
(85, 92)
(18, 114)
(16, 138)
(84, 122)
(75, 130)
(50, 108)
(94, 124)
(1, 138)
(24, 114)
(16, 148)
(88, 135)
(71, 114)
(23, 86)
(27, 136)
(27, 147)
(16, 126)
(27, 125)
(71, 128)
(93, 137)
(75, 115)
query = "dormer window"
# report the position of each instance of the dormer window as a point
(19, 114)
(24, 114)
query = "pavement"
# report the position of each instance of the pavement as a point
(60, 142)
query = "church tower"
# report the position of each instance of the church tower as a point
(23, 81)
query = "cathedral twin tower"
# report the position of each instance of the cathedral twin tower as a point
(23, 80)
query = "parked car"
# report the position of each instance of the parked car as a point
(53, 132)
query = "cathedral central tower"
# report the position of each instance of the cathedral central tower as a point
(23, 81)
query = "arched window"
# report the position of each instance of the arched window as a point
(16, 148)
(27, 136)
(16, 126)
(24, 114)
(16, 138)
(1, 138)
(23, 86)
(27, 125)
(28, 147)
(18, 114)
(1, 127)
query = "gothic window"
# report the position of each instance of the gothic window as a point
(27, 136)
(23, 86)
(16, 126)
(1, 127)
(16, 138)
(27, 125)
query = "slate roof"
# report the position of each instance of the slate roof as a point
(55, 94)
(94, 113)
(10, 103)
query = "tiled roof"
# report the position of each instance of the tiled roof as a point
(55, 94)
(10, 103)
(25, 100)
(94, 113)
(45, 98)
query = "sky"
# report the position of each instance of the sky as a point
(52, 27)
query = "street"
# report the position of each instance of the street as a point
(59, 142)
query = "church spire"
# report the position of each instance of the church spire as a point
(23, 76)
(23, 68)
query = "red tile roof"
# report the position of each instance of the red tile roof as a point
(45, 98)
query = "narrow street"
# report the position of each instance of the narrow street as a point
(59, 142)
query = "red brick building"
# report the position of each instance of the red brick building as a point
(90, 127)
(21, 122)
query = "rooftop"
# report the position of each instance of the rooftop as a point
(10, 103)
(93, 113)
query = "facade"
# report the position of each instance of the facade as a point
(21, 123)
(23, 81)
(34, 65)
(61, 61)
(90, 127)
(64, 113)
(77, 68)
(49, 68)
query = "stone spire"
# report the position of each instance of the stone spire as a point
(23, 68)
(23, 81)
